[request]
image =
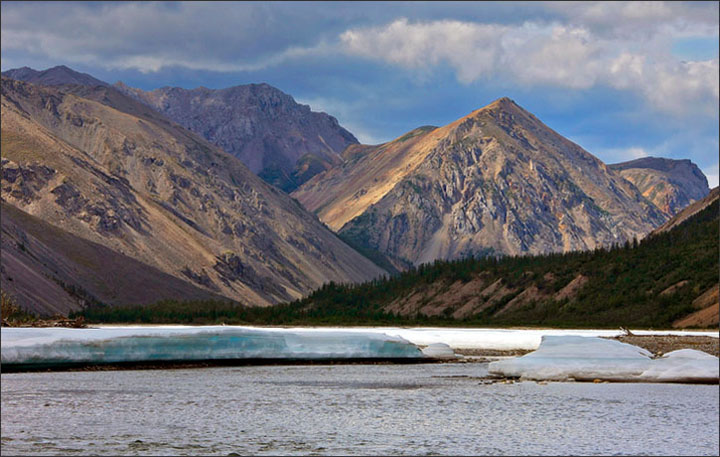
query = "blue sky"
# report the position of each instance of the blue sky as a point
(622, 79)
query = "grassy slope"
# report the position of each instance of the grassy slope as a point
(624, 288)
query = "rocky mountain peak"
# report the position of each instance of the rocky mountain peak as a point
(669, 183)
(503, 103)
(495, 181)
(265, 128)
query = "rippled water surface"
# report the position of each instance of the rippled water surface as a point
(347, 409)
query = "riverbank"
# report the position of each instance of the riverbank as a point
(662, 344)
(657, 344)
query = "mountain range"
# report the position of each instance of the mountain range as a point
(110, 170)
(168, 182)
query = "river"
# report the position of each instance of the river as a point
(426, 409)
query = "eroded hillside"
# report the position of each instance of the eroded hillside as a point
(110, 170)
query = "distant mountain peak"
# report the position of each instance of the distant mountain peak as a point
(503, 102)
(671, 184)
(259, 124)
(55, 76)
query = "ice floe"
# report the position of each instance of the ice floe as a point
(113, 345)
(561, 358)
(439, 351)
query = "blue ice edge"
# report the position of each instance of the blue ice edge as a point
(60, 346)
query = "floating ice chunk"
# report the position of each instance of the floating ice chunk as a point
(439, 351)
(684, 365)
(62, 345)
(588, 358)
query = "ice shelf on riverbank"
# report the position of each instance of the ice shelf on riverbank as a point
(485, 338)
(560, 358)
(118, 345)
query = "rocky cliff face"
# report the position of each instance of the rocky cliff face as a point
(110, 170)
(496, 181)
(285, 143)
(670, 184)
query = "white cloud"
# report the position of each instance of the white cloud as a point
(548, 54)
(470, 48)
(617, 155)
(151, 63)
(637, 18)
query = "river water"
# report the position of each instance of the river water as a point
(423, 409)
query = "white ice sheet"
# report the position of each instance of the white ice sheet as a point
(103, 345)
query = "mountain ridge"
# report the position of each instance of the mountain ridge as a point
(282, 141)
(48, 271)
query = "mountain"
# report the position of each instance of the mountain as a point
(50, 271)
(688, 212)
(110, 170)
(497, 181)
(670, 184)
(284, 142)
(55, 76)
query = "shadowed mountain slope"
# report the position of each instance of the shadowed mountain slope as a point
(49, 271)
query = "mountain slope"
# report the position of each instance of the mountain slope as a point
(55, 76)
(49, 271)
(108, 169)
(670, 184)
(496, 181)
(284, 142)
(688, 212)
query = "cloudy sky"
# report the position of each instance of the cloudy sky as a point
(623, 80)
